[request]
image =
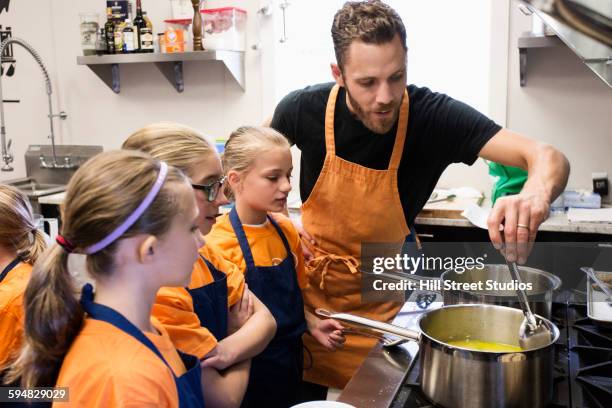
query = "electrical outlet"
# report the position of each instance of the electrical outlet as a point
(600, 183)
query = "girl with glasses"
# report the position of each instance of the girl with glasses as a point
(257, 163)
(133, 218)
(215, 316)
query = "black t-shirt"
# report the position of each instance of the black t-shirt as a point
(441, 131)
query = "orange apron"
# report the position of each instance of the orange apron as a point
(348, 205)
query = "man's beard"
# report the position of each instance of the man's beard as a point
(377, 126)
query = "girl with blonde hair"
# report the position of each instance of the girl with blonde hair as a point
(134, 220)
(214, 317)
(20, 246)
(257, 163)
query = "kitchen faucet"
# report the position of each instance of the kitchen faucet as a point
(7, 156)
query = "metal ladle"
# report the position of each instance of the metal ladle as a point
(532, 333)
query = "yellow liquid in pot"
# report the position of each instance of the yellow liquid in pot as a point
(479, 345)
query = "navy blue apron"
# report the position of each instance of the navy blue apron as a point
(188, 385)
(9, 268)
(210, 302)
(276, 373)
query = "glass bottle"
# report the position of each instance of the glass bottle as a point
(129, 38)
(109, 30)
(101, 42)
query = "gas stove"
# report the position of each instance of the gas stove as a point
(583, 362)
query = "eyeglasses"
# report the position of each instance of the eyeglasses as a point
(211, 190)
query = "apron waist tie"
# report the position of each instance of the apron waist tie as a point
(321, 264)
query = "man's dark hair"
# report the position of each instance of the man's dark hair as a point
(372, 22)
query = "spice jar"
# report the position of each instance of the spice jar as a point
(101, 42)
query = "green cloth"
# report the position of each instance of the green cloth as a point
(507, 180)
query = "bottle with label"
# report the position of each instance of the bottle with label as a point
(119, 26)
(146, 40)
(129, 38)
(139, 25)
(109, 30)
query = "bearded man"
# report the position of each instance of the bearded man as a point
(372, 150)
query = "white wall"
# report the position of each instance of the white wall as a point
(211, 102)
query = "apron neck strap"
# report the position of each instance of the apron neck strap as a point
(217, 274)
(106, 314)
(9, 268)
(400, 136)
(330, 145)
(242, 239)
(244, 243)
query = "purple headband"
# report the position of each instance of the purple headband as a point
(120, 230)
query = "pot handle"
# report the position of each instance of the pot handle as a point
(370, 324)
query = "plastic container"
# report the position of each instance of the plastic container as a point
(224, 28)
(176, 38)
(89, 29)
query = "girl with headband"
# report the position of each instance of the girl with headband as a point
(215, 317)
(20, 245)
(134, 219)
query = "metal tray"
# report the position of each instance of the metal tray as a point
(598, 309)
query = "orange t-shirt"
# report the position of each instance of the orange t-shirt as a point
(266, 245)
(174, 306)
(106, 367)
(12, 289)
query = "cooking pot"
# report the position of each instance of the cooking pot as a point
(540, 296)
(454, 376)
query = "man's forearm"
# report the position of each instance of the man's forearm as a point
(548, 171)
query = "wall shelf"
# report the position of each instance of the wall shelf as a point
(106, 67)
(595, 54)
(527, 41)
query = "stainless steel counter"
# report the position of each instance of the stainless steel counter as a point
(555, 223)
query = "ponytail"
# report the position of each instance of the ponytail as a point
(18, 231)
(32, 247)
(54, 318)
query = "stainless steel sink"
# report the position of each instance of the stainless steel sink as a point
(35, 189)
